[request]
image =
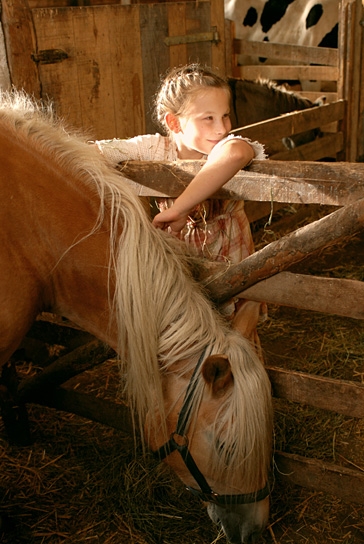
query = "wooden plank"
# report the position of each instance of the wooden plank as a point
(360, 152)
(20, 43)
(336, 184)
(88, 406)
(198, 19)
(64, 368)
(326, 146)
(342, 396)
(177, 27)
(230, 61)
(224, 282)
(155, 55)
(294, 122)
(354, 61)
(218, 53)
(288, 72)
(338, 296)
(289, 52)
(87, 89)
(342, 482)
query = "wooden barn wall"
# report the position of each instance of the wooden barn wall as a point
(101, 65)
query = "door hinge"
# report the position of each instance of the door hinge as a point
(49, 56)
(212, 36)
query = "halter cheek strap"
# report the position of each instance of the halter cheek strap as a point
(179, 442)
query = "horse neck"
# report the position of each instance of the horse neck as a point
(255, 102)
(51, 216)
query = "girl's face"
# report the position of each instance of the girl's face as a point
(205, 123)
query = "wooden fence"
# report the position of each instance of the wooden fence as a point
(343, 66)
(101, 65)
(262, 276)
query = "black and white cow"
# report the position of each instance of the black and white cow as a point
(298, 22)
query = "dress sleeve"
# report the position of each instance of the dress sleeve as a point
(258, 148)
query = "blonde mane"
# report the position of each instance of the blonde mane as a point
(162, 315)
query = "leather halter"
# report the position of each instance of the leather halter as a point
(179, 442)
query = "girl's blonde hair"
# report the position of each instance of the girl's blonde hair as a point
(180, 86)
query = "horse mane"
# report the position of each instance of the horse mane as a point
(287, 94)
(162, 314)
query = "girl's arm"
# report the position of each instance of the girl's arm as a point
(222, 164)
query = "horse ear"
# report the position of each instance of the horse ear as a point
(246, 318)
(217, 373)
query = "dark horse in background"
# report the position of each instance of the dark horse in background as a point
(259, 100)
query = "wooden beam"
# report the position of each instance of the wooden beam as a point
(20, 43)
(224, 282)
(77, 361)
(288, 72)
(102, 411)
(294, 122)
(344, 397)
(337, 296)
(295, 53)
(327, 146)
(310, 182)
(340, 481)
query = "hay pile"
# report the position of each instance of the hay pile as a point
(82, 483)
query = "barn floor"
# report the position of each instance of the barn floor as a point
(80, 482)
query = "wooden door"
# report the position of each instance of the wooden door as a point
(101, 64)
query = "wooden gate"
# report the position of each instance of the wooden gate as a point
(263, 276)
(343, 67)
(101, 64)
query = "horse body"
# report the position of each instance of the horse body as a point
(75, 241)
(32, 284)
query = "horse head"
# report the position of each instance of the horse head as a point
(202, 447)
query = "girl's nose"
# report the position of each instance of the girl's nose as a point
(220, 127)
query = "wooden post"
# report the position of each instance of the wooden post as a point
(20, 44)
(350, 69)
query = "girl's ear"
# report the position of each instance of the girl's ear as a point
(172, 122)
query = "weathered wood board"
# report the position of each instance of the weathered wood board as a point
(336, 184)
(101, 65)
(344, 397)
(315, 474)
(297, 53)
(319, 294)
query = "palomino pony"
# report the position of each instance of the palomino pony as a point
(75, 241)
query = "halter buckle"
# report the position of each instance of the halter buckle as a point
(182, 441)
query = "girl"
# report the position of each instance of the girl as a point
(193, 107)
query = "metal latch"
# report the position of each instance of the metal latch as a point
(49, 56)
(212, 36)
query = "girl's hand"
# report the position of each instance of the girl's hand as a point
(172, 219)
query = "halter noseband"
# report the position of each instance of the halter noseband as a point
(179, 442)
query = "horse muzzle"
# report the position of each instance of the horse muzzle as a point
(241, 523)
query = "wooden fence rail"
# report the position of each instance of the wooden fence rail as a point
(262, 277)
(333, 183)
(342, 67)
